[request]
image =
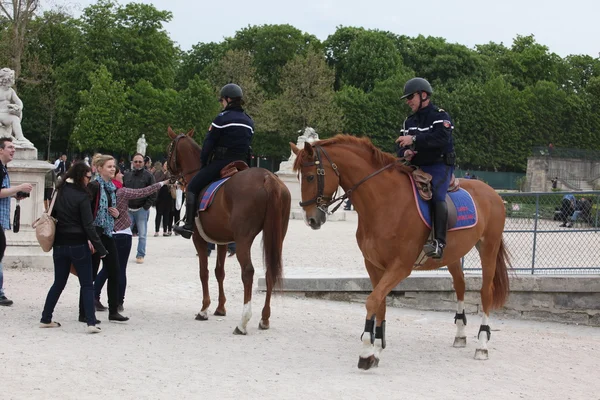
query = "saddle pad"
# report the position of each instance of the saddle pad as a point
(466, 213)
(209, 194)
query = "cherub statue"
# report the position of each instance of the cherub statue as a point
(11, 108)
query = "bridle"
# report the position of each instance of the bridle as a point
(324, 202)
(172, 160)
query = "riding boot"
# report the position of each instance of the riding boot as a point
(191, 209)
(435, 248)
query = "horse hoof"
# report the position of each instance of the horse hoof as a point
(220, 313)
(202, 316)
(367, 363)
(481, 354)
(263, 326)
(460, 342)
(238, 331)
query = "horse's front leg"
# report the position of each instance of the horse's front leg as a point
(460, 319)
(220, 275)
(202, 249)
(243, 256)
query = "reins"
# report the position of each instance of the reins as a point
(324, 202)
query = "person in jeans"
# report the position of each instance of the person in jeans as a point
(104, 203)
(122, 236)
(139, 212)
(74, 229)
(7, 152)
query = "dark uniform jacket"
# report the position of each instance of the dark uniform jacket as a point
(229, 136)
(432, 128)
(137, 179)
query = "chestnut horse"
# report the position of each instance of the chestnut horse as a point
(391, 233)
(251, 201)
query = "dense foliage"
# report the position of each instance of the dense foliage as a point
(100, 81)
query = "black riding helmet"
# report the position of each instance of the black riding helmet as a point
(415, 85)
(232, 91)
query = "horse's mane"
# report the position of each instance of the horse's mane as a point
(379, 159)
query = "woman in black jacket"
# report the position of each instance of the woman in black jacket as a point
(74, 228)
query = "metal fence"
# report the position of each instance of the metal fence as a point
(546, 236)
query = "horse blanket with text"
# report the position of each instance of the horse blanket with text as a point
(464, 209)
(209, 193)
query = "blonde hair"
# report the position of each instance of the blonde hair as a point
(100, 159)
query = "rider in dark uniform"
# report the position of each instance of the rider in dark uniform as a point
(426, 141)
(228, 140)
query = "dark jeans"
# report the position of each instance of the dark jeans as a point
(207, 175)
(230, 247)
(81, 258)
(441, 175)
(111, 264)
(123, 244)
(163, 211)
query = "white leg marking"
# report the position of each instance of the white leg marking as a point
(246, 315)
(367, 348)
(481, 353)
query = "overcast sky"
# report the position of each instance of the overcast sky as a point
(566, 27)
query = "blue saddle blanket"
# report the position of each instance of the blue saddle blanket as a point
(466, 213)
(209, 194)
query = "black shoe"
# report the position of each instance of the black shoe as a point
(83, 319)
(231, 253)
(191, 209)
(117, 317)
(120, 308)
(5, 302)
(99, 306)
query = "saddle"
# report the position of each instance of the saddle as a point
(423, 181)
(233, 168)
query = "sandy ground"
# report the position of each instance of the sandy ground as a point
(311, 350)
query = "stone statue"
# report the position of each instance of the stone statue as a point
(310, 136)
(11, 108)
(141, 145)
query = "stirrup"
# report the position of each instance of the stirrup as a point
(434, 249)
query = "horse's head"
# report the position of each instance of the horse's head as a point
(183, 155)
(319, 181)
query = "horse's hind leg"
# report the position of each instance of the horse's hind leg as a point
(220, 275)
(266, 311)
(202, 249)
(243, 256)
(488, 250)
(375, 276)
(460, 319)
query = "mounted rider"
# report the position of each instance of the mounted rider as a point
(426, 141)
(228, 139)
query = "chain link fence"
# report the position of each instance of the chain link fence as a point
(550, 233)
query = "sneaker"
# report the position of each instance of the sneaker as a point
(99, 306)
(52, 324)
(93, 329)
(139, 260)
(155, 234)
(120, 308)
(5, 302)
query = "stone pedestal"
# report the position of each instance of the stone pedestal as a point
(22, 247)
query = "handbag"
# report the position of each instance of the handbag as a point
(45, 227)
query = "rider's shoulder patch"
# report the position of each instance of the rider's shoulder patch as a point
(441, 110)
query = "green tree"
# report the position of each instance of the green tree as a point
(100, 123)
(197, 61)
(271, 47)
(197, 107)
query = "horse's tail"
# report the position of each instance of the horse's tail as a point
(501, 283)
(275, 226)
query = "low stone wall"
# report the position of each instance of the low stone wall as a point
(567, 299)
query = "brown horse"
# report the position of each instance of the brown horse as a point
(251, 201)
(391, 233)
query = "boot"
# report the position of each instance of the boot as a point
(191, 209)
(435, 248)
